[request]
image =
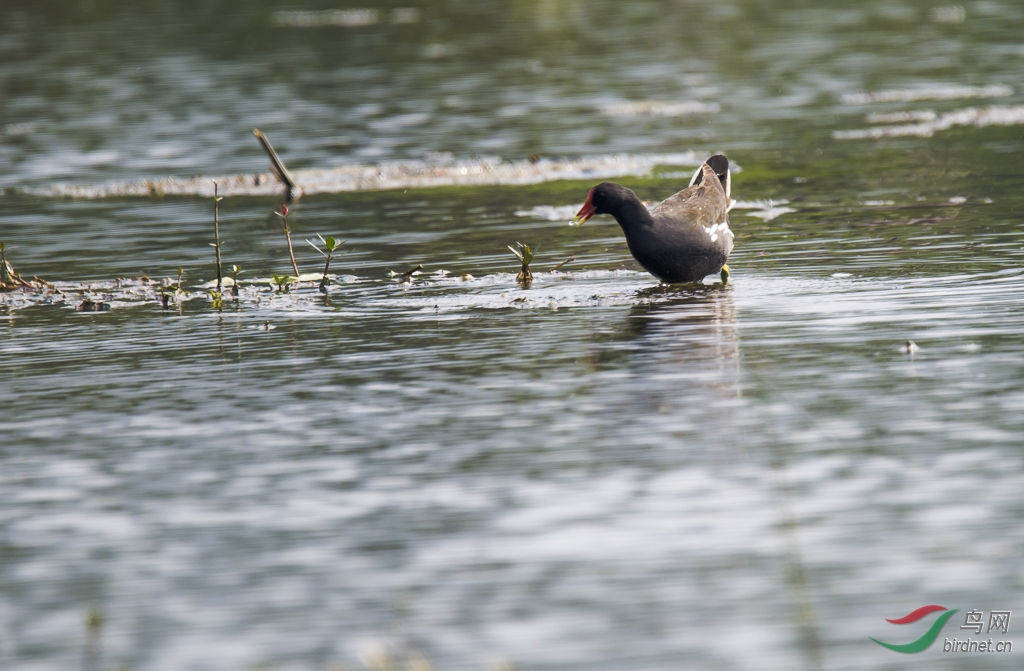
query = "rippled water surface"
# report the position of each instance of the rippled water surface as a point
(596, 472)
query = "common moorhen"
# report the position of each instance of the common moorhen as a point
(684, 238)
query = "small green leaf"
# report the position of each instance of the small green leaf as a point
(313, 245)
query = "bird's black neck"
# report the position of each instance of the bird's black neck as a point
(633, 214)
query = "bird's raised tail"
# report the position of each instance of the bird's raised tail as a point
(720, 164)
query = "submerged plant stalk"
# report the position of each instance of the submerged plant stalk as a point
(407, 275)
(277, 165)
(216, 233)
(93, 633)
(288, 235)
(568, 260)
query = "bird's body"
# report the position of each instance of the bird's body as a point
(684, 238)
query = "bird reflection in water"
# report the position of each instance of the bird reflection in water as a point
(685, 346)
(686, 331)
(680, 347)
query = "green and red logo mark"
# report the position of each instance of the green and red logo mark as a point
(929, 636)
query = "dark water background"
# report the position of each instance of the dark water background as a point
(595, 473)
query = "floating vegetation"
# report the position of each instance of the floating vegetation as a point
(109, 294)
(486, 171)
(525, 255)
(178, 295)
(452, 294)
(89, 305)
(331, 245)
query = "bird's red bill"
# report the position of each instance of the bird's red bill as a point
(586, 212)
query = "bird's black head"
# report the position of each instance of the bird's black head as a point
(605, 198)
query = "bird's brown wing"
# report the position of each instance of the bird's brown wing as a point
(703, 204)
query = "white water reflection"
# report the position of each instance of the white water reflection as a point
(996, 115)
(659, 108)
(763, 209)
(948, 92)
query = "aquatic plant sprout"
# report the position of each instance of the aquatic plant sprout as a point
(525, 255)
(235, 272)
(283, 282)
(331, 245)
